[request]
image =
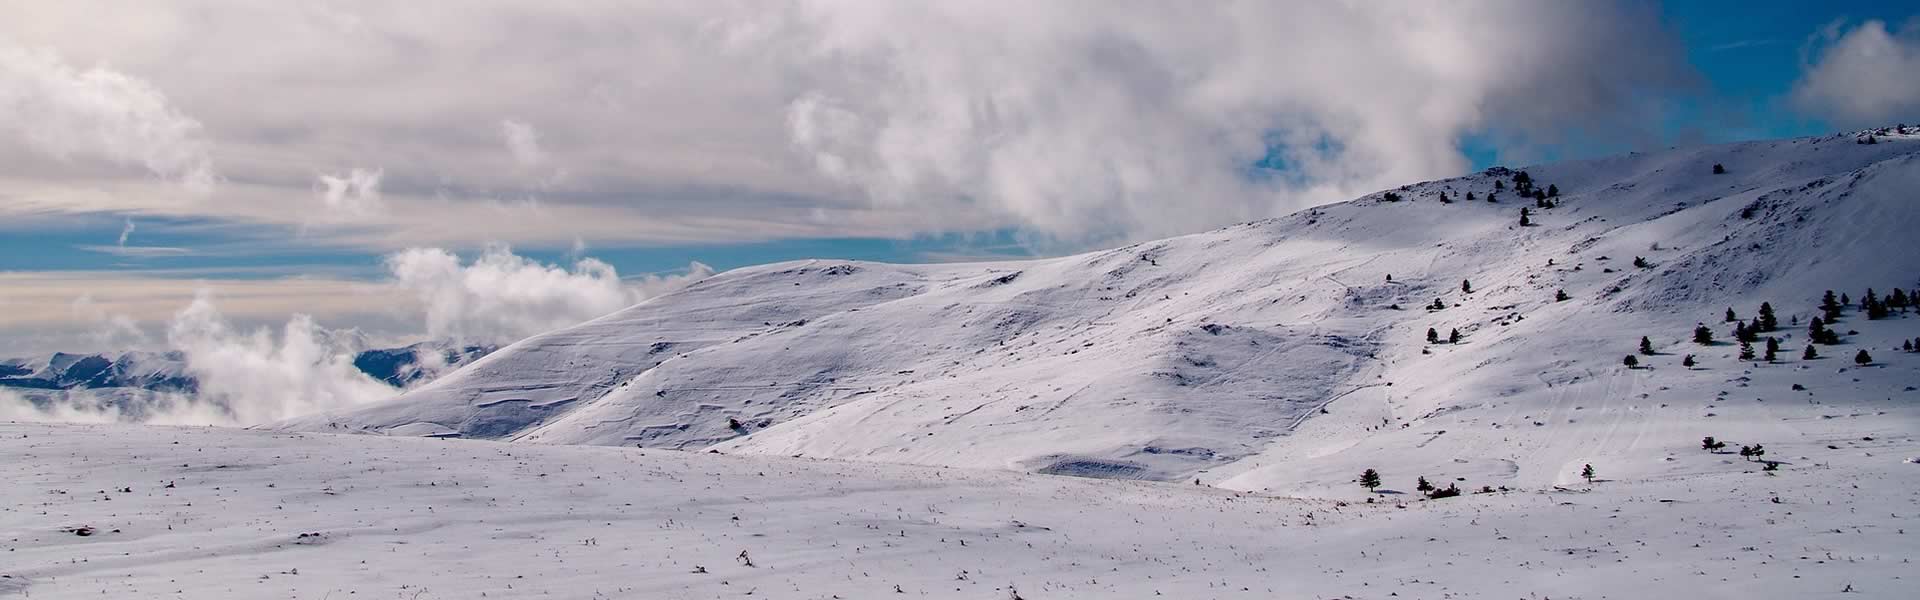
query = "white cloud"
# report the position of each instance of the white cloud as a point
(355, 193)
(98, 113)
(523, 141)
(257, 377)
(1862, 76)
(502, 297)
(125, 232)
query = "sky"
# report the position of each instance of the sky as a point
(480, 170)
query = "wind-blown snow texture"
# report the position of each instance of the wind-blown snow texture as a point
(1269, 356)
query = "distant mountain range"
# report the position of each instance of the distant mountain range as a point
(167, 371)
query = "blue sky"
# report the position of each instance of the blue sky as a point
(261, 143)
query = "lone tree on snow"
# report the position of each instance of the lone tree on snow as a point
(1453, 337)
(1560, 296)
(1773, 348)
(1719, 169)
(1587, 472)
(1433, 335)
(1862, 358)
(1646, 346)
(1711, 445)
(1767, 322)
(1466, 286)
(1631, 362)
(1422, 484)
(1641, 262)
(1703, 335)
(1687, 362)
(1746, 351)
(1810, 354)
(1370, 479)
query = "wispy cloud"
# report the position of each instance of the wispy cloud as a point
(137, 251)
(1738, 44)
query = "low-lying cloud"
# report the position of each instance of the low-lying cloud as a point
(1862, 75)
(253, 375)
(501, 297)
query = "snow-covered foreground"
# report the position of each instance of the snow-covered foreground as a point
(207, 513)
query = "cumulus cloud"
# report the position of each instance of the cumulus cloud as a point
(98, 113)
(523, 141)
(1863, 75)
(257, 377)
(355, 193)
(501, 297)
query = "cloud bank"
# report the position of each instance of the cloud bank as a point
(1076, 122)
(1862, 76)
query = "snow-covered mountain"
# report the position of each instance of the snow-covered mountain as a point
(1281, 355)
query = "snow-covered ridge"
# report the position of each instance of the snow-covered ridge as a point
(1271, 355)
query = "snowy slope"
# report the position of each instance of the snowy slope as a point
(220, 513)
(1273, 355)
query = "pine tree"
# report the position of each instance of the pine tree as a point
(1702, 335)
(1587, 472)
(1877, 309)
(1553, 190)
(1493, 197)
(1433, 336)
(1466, 286)
(1454, 337)
(1631, 361)
(1898, 299)
(1646, 346)
(1422, 485)
(1687, 362)
(1810, 354)
(1830, 306)
(1443, 198)
(1906, 346)
(1498, 185)
(1641, 262)
(1560, 296)
(1844, 300)
(1773, 349)
(1438, 305)
(1767, 321)
(1862, 358)
(1470, 196)
(1730, 316)
(1746, 351)
(1524, 219)
(1711, 445)
(1759, 451)
(1746, 452)
(1719, 169)
(1539, 195)
(1390, 197)
(1370, 479)
(1868, 300)
(1740, 331)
